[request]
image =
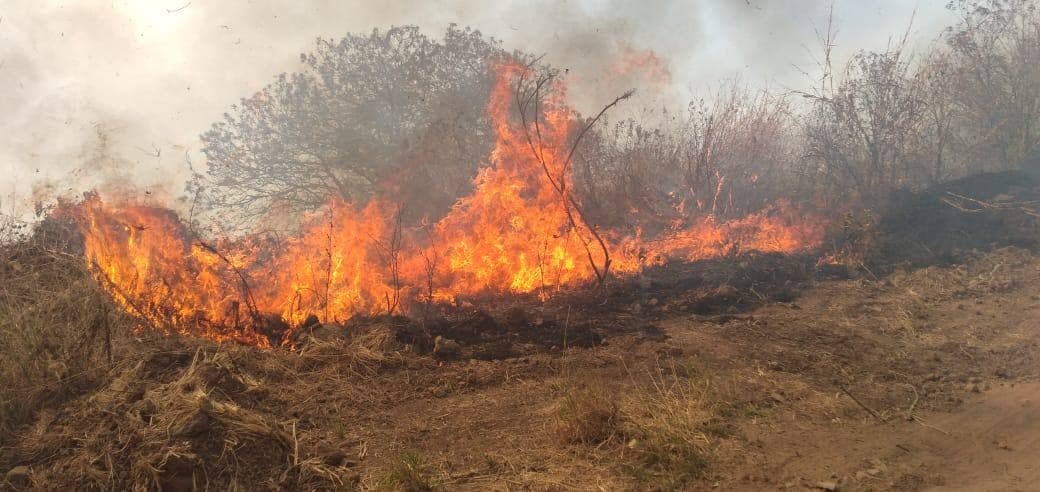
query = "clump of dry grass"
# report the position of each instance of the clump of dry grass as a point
(666, 425)
(176, 420)
(409, 473)
(588, 415)
(57, 328)
(364, 352)
(661, 428)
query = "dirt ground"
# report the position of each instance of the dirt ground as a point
(924, 379)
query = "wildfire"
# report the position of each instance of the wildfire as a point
(518, 231)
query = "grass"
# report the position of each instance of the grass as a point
(588, 415)
(57, 328)
(669, 427)
(661, 428)
(409, 473)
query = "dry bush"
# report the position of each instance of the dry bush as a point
(891, 120)
(863, 130)
(993, 64)
(57, 328)
(727, 156)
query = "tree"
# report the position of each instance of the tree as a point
(995, 53)
(864, 133)
(389, 113)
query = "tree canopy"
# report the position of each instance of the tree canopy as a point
(393, 113)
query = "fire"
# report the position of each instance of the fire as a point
(519, 231)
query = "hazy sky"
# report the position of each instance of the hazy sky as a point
(156, 73)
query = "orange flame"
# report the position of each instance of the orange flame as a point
(518, 231)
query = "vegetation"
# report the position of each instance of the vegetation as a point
(398, 114)
(57, 327)
(394, 113)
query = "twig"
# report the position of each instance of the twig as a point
(250, 301)
(111, 286)
(178, 9)
(930, 426)
(868, 409)
(296, 446)
(570, 204)
(917, 397)
(1020, 206)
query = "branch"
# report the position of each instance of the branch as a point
(571, 206)
(250, 301)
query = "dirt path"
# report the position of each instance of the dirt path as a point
(991, 444)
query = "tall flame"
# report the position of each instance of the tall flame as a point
(518, 231)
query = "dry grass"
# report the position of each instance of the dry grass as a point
(57, 329)
(409, 473)
(660, 430)
(588, 415)
(177, 419)
(667, 425)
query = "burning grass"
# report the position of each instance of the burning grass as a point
(520, 231)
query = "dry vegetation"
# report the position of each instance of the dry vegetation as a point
(884, 121)
(57, 328)
(694, 376)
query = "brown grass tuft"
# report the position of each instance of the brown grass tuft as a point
(588, 415)
(666, 425)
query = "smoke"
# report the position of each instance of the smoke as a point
(156, 74)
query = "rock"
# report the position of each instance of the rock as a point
(777, 397)
(445, 348)
(19, 476)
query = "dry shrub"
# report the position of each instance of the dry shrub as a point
(588, 415)
(57, 328)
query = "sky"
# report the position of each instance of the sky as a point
(154, 74)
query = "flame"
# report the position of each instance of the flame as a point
(519, 231)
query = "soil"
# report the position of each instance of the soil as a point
(763, 372)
